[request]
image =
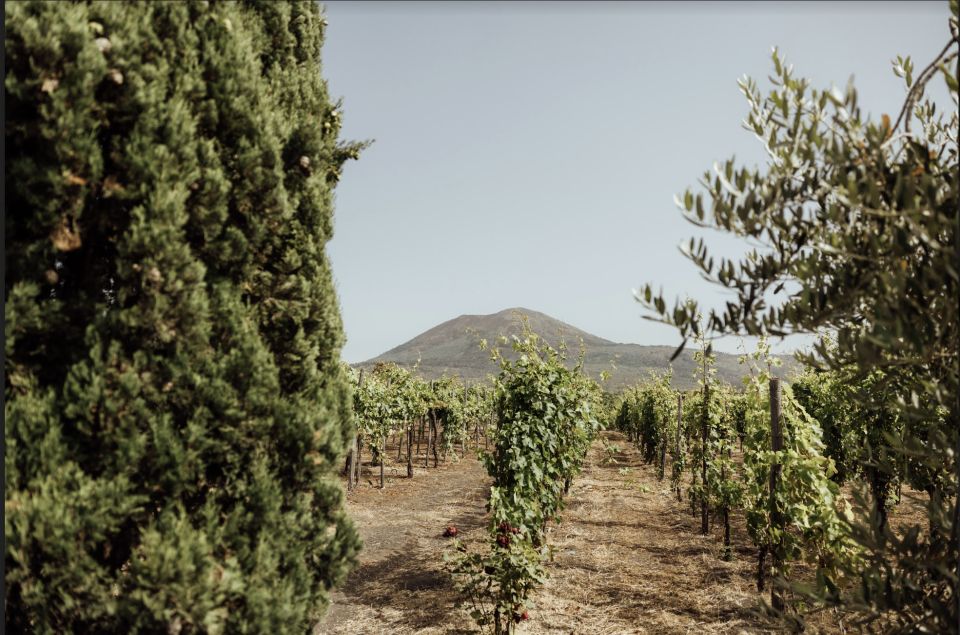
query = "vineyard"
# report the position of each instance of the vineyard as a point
(745, 466)
(188, 452)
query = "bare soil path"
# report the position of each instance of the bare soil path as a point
(400, 585)
(628, 558)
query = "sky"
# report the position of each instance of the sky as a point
(528, 154)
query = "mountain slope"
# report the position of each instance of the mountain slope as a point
(453, 348)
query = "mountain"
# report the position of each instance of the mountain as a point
(453, 348)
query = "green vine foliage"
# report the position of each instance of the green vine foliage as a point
(547, 417)
(862, 420)
(705, 410)
(724, 487)
(388, 400)
(449, 407)
(392, 398)
(657, 417)
(628, 417)
(478, 410)
(691, 422)
(827, 398)
(858, 414)
(647, 415)
(815, 524)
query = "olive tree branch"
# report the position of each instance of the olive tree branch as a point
(925, 76)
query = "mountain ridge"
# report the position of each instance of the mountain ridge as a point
(453, 348)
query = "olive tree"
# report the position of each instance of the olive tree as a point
(855, 225)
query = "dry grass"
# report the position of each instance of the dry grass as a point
(628, 558)
(400, 585)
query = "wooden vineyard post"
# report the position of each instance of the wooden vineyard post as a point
(351, 457)
(676, 456)
(704, 436)
(383, 451)
(476, 433)
(431, 442)
(356, 475)
(436, 440)
(383, 457)
(463, 433)
(410, 449)
(434, 432)
(419, 433)
(428, 424)
(486, 435)
(726, 507)
(353, 474)
(776, 520)
(663, 455)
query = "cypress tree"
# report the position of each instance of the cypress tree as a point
(175, 408)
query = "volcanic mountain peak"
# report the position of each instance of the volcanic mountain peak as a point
(453, 348)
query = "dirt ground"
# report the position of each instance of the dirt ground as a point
(628, 558)
(400, 585)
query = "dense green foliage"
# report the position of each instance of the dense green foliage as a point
(392, 400)
(175, 409)
(547, 416)
(863, 425)
(389, 399)
(857, 224)
(810, 523)
(647, 414)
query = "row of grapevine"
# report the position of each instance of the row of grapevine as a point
(779, 477)
(861, 417)
(392, 401)
(547, 416)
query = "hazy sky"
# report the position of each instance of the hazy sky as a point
(527, 154)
